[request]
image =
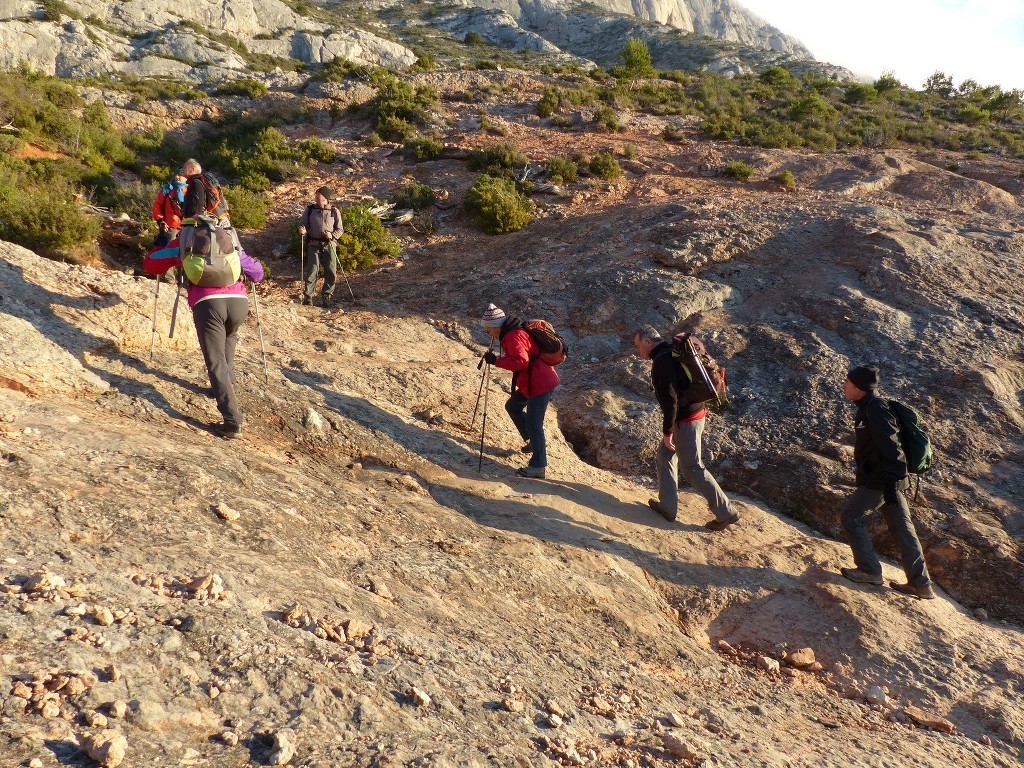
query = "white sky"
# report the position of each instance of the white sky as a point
(978, 39)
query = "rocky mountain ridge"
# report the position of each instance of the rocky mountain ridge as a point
(209, 41)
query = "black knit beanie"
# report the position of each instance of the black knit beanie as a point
(864, 377)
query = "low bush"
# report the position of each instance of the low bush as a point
(737, 169)
(498, 206)
(604, 166)
(421, 148)
(607, 118)
(372, 241)
(498, 160)
(44, 219)
(562, 171)
(248, 208)
(548, 103)
(242, 87)
(785, 178)
(415, 196)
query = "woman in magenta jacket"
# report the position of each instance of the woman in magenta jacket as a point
(533, 382)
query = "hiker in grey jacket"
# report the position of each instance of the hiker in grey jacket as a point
(321, 224)
(881, 476)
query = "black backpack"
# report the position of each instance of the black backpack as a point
(216, 203)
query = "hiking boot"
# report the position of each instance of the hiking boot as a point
(527, 447)
(326, 301)
(227, 431)
(528, 471)
(921, 592)
(721, 525)
(653, 504)
(307, 300)
(857, 576)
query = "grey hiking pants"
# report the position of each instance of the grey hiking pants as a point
(861, 503)
(687, 436)
(217, 322)
(321, 253)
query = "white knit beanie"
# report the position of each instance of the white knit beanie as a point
(493, 317)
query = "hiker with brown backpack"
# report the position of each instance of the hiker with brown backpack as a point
(531, 350)
(203, 193)
(683, 395)
(882, 475)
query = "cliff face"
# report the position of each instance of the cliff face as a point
(714, 18)
(208, 41)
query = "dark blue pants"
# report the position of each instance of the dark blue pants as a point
(527, 413)
(863, 502)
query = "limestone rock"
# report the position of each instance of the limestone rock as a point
(224, 512)
(876, 695)
(419, 697)
(107, 747)
(676, 745)
(801, 657)
(928, 720)
(768, 664)
(284, 747)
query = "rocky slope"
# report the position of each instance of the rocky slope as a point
(343, 587)
(209, 41)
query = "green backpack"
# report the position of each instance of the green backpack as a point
(210, 252)
(917, 446)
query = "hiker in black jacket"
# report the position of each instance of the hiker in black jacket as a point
(881, 476)
(195, 192)
(682, 427)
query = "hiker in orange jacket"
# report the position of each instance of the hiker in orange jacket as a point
(167, 208)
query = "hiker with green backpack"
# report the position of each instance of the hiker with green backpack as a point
(882, 475)
(530, 349)
(683, 395)
(213, 264)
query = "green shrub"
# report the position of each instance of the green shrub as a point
(242, 87)
(248, 208)
(415, 196)
(672, 133)
(607, 118)
(887, 83)
(44, 219)
(133, 198)
(157, 174)
(562, 171)
(373, 240)
(630, 152)
(395, 128)
(737, 169)
(860, 93)
(421, 148)
(497, 160)
(498, 206)
(397, 107)
(372, 139)
(317, 150)
(785, 178)
(549, 102)
(474, 39)
(605, 166)
(778, 77)
(972, 114)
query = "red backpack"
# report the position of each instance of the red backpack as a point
(552, 348)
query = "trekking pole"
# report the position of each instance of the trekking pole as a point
(259, 328)
(704, 373)
(174, 307)
(480, 391)
(483, 429)
(152, 338)
(346, 280)
(302, 262)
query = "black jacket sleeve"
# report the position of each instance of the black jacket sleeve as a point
(885, 433)
(664, 378)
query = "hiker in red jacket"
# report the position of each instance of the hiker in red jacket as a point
(533, 382)
(167, 208)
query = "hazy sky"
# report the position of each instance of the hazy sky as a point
(978, 39)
